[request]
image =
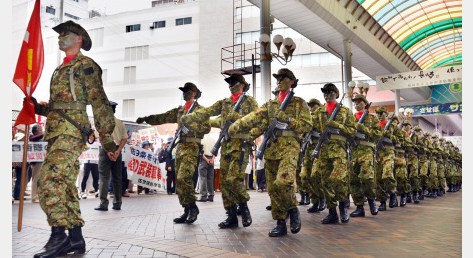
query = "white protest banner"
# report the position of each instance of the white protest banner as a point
(145, 169)
(36, 151)
(149, 134)
(92, 153)
(428, 77)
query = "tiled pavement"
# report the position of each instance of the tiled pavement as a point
(144, 228)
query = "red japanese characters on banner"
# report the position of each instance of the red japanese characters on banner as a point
(145, 169)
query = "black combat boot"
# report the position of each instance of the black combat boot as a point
(314, 208)
(307, 199)
(434, 193)
(332, 217)
(77, 241)
(392, 200)
(322, 204)
(347, 202)
(279, 230)
(268, 208)
(245, 215)
(193, 212)
(57, 245)
(342, 208)
(295, 220)
(373, 208)
(232, 220)
(183, 217)
(440, 192)
(359, 212)
(421, 194)
(408, 198)
(450, 187)
(415, 197)
(403, 200)
(382, 206)
(302, 201)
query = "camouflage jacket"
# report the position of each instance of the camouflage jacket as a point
(257, 122)
(370, 128)
(85, 89)
(346, 123)
(222, 108)
(174, 116)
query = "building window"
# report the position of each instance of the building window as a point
(134, 27)
(183, 21)
(136, 53)
(51, 10)
(96, 35)
(71, 16)
(159, 24)
(129, 75)
(128, 108)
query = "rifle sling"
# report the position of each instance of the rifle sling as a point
(338, 137)
(367, 143)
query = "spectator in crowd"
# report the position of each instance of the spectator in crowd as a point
(260, 177)
(206, 170)
(170, 160)
(37, 136)
(147, 146)
(90, 167)
(19, 136)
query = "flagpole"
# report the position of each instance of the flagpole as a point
(23, 181)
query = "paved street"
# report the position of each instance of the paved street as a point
(144, 228)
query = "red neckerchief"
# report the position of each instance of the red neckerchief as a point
(188, 105)
(282, 95)
(330, 106)
(68, 59)
(236, 96)
(358, 115)
(382, 123)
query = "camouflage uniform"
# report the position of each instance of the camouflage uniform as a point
(234, 152)
(412, 149)
(56, 183)
(442, 161)
(424, 153)
(433, 184)
(400, 165)
(310, 180)
(362, 176)
(187, 150)
(449, 171)
(281, 155)
(385, 181)
(332, 162)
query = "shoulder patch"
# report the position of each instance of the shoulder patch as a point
(89, 70)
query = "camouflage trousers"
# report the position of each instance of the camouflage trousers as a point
(362, 179)
(400, 173)
(385, 182)
(311, 179)
(334, 179)
(413, 172)
(58, 195)
(280, 176)
(187, 158)
(441, 174)
(232, 178)
(423, 170)
(433, 182)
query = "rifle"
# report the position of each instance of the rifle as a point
(383, 140)
(360, 136)
(305, 144)
(328, 130)
(270, 134)
(181, 130)
(224, 133)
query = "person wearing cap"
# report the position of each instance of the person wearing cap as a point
(75, 83)
(442, 160)
(234, 152)
(170, 162)
(450, 170)
(362, 175)
(310, 180)
(424, 154)
(413, 162)
(401, 140)
(36, 136)
(332, 163)
(385, 180)
(433, 182)
(188, 148)
(281, 155)
(147, 146)
(112, 167)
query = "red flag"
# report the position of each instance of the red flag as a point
(30, 65)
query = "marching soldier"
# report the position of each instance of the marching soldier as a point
(412, 150)
(76, 83)
(235, 150)
(281, 155)
(401, 140)
(311, 179)
(362, 176)
(385, 181)
(187, 150)
(450, 171)
(442, 161)
(433, 167)
(424, 154)
(333, 160)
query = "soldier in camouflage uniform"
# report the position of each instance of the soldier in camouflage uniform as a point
(442, 165)
(450, 171)
(424, 153)
(362, 178)
(281, 155)
(433, 185)
(385, 181)
(235, 150)
(311, 179)
(76, 83)
(412, 162)
(188, 149)
(401, 140)
(458, 169)
(332, 162)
